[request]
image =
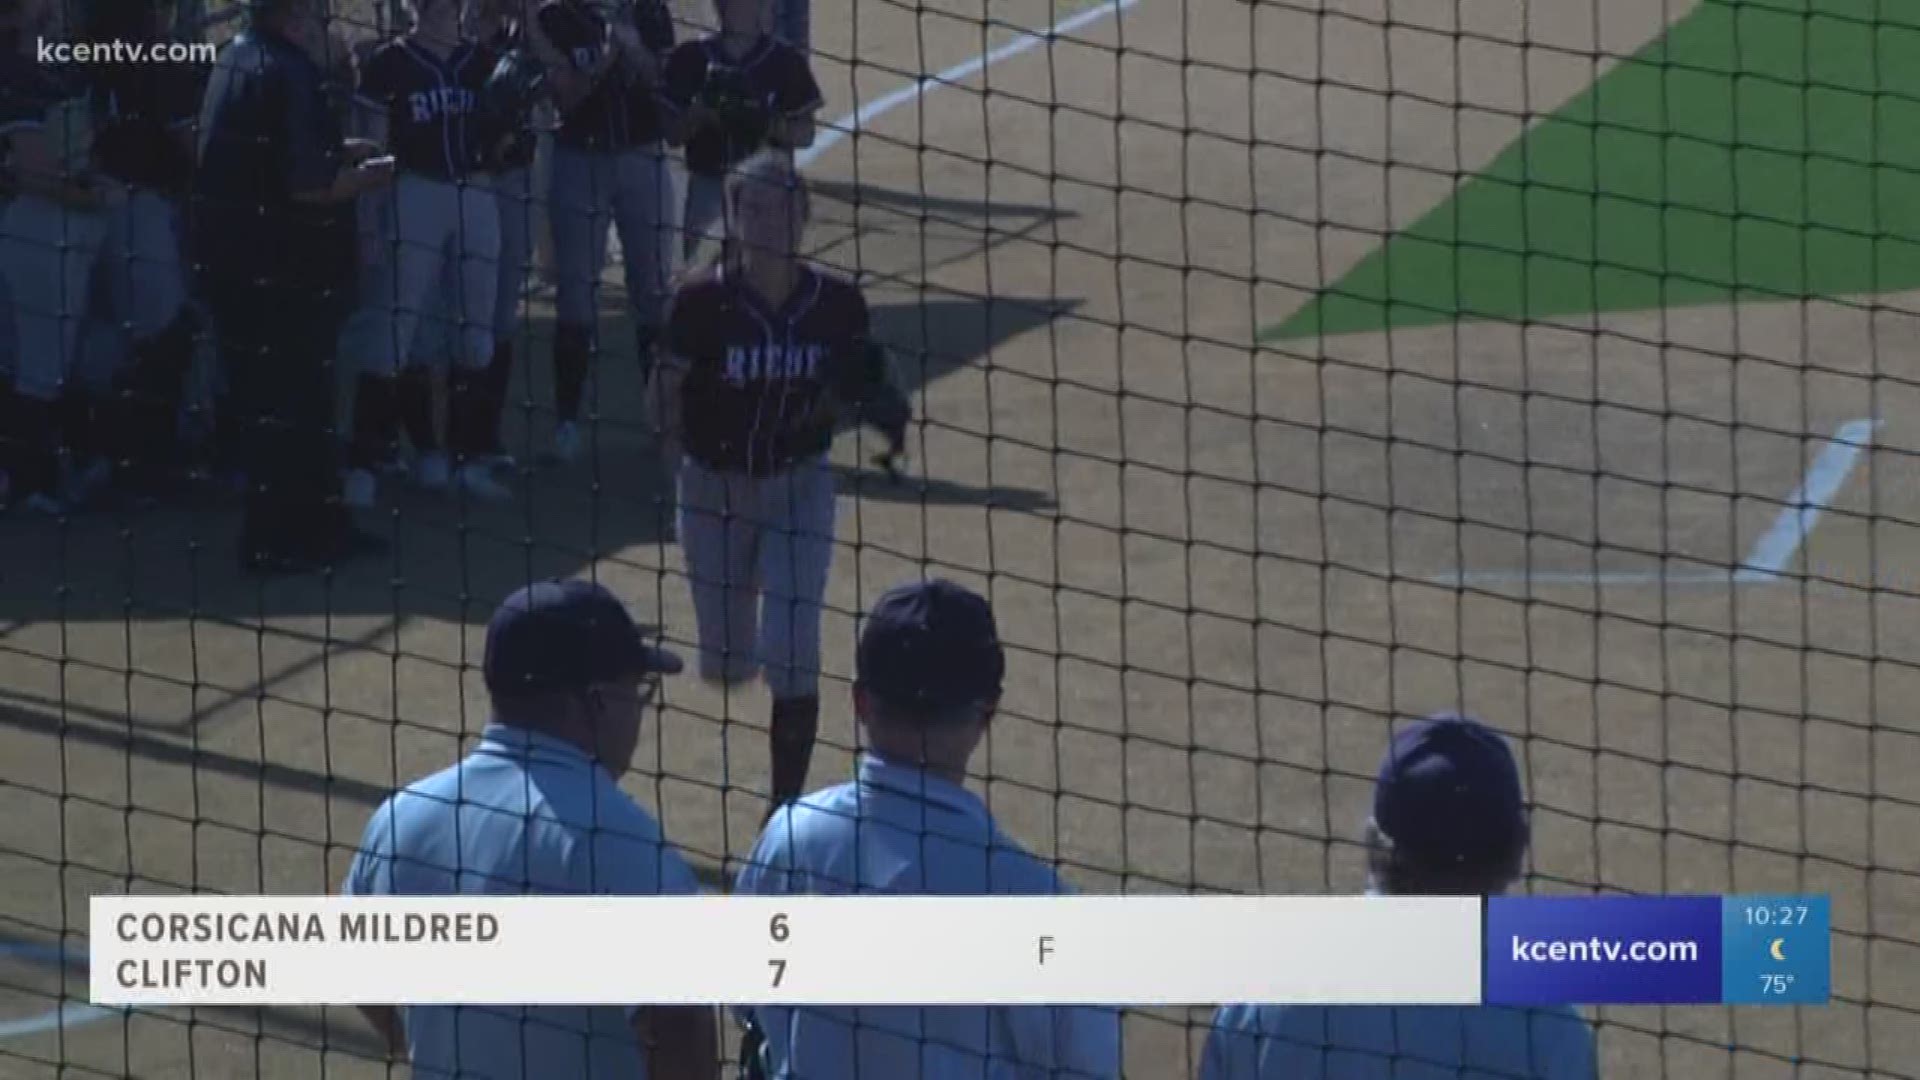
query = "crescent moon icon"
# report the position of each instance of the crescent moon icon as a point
(1775, 948)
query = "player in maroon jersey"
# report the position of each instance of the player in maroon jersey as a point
(763, 358)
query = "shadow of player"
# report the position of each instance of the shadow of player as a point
(454, 559)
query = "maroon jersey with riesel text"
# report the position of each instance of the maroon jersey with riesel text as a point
(761, 381)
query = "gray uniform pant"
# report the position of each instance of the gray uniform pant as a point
(758, 552)
(513, 194)
(701, 220)
(437, 341)
(146, 283)
(440, 280)
(47, 255)
(630, 190)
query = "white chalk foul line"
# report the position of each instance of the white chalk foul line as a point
(70, 1014)
(1462, 578)
(1770, 555)
(856, 121)
(1796, 520)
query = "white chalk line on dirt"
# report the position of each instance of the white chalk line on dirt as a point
(70, 1014)
(854, 122)
(1802, 510)
(1765, 564)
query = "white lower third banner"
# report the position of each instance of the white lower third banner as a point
(206, 950)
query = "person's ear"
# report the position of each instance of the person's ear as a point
(989, 709)
(1380, 857)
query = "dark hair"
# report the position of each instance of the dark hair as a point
(896, 715)
(1403, 872)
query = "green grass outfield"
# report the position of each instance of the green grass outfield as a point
(1760, 148)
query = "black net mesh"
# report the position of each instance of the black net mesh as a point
(1280, 370)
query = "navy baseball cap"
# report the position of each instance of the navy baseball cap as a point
(930, 646)
(1449, 793)
(566, 635)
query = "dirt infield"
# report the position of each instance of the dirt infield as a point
(1221, 566)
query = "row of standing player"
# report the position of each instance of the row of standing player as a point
(99, 332)
(447, 248)
(96, 330)
(762, 358)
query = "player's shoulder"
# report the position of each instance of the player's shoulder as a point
(780, 52)
(386, 62)
(834, 801)
(619, 813)
(807, 815)
(699, 287)
(795, 834)
(1015, 871)
(838, 293)
(413, 810)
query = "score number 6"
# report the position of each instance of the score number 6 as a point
(779, 932)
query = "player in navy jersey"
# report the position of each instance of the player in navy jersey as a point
(143, 112)
(50, 232)
(424, 88)
(508, 30)
(729, 95)
(609, 168)
(763, 357)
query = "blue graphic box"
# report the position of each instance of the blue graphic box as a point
(1552, 950)
(1775, 950)
(1657, 950)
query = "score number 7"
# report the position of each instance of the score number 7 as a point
(779, 932)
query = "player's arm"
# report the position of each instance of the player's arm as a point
(663, 401)
(868, 387)
(571, 83)
(385, 1021)
(794, 131)
(682, 1042)
(373, 97)
(798, 102)
(682, 113)
(1230, 1054)
(679, 348)
(318, 174)
(646, 44)
(542, 46)
(369, 876)
(632, 857)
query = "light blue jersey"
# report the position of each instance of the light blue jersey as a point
(1439, 1042)
(524, 813)
(899, 831)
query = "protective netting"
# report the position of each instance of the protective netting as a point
(1280, 370)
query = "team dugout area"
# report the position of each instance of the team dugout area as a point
(1280, 370)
